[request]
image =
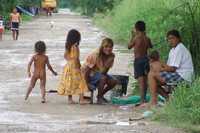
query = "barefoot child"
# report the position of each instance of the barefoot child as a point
(72, 80)
(40, 62)
(1, 27)
(141, 43)
(15, 20)
(156, 66)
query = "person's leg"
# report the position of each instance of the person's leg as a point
(43, 90)
(47, 11)
(163, 93)
(82, 100)
(145, 86)
(153, 88)
(50, 12)
(1, 36)
(31, 86)
(141, 68)
(110, 85)
(13, 34)
(167, 77)
(70, 99)
(155, 80)
(142, 80)
(17, 34)
(100, 87)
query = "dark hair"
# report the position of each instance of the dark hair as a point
(140, 26)
(174, 33)
(40, 47)
(73, 38)
(154, 55)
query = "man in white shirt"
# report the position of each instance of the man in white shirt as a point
(179, 67)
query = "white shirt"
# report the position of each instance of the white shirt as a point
(1, 24)
(181, 58)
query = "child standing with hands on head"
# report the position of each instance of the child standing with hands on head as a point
(40, 62)
(1, 27)
(141, 43)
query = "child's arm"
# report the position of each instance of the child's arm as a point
(77, 55)
(109, 64)
(20, 19)
(131, 43)
(50, 67)
(167, 68)
(10, 22)
(86, 72)
(29, 66)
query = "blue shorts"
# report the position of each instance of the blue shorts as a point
(141, 67)
(171, 77)
(94, 79)
(15, 26)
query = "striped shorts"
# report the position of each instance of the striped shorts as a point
(171, 77)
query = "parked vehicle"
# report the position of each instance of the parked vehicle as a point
(49, 6)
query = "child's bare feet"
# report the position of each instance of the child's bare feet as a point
(144, 105)
(43, 100)
(82, 102)
(26, 98)
(71, 102)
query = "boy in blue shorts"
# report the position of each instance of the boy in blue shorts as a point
(141, 43)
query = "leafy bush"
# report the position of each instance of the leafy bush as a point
(89, 7)
(183, 109)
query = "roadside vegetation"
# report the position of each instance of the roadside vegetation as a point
(183, 109)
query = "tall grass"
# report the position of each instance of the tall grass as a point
(160, 16)
(183, 109)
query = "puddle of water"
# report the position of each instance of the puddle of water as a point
(122, 123)
(100, 122)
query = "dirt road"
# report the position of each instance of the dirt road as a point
(18, 116)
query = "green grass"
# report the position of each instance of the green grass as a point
(26, 18)
(183, 109)
(160, 16)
